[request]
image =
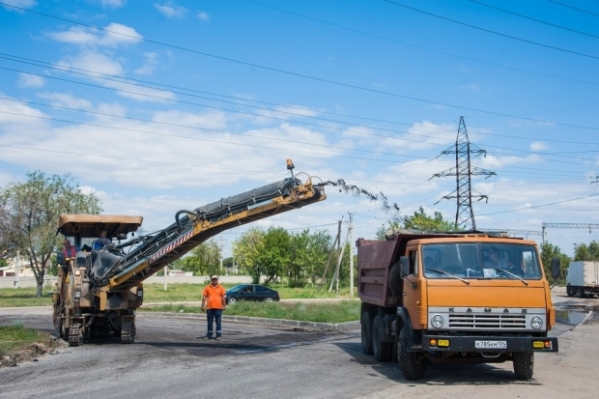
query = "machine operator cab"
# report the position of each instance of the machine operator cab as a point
(84, 232)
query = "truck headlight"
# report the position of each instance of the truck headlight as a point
(77, 295)
(536, 323)
(437, 321)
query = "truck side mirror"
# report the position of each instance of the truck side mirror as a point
(404, 261)
(555, 269)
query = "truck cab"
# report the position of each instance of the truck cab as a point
(462, 297)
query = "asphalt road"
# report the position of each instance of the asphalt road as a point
(249, 362)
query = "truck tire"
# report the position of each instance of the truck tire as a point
(569, 290)
(523, 365)
(581, 292)
(412, 364)
(381, 350)
(366, 336)
(395, 283)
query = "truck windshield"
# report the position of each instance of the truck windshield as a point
(481, 261)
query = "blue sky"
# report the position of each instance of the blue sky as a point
(174, 104)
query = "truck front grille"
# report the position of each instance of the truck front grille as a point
(487, 321)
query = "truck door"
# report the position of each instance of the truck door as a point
(412, 287)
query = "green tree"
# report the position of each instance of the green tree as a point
(587, 252)
(204, 259)
(275, 253)
(418, 221)
(246, 249)
(548, 253)
(309, 253)
(29, 212)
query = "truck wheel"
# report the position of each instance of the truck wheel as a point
(569, 290)
(395, 280)
(523, 365)
(380, 349)
(581, 292)
(366, 336)
(412, 364)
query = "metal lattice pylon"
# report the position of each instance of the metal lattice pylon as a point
(463, 171)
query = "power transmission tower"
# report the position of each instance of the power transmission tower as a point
(463, 171)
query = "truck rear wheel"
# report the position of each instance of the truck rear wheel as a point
(366, 336)
(412, 364)
(381, 350)
(581, 292)
(523, 365)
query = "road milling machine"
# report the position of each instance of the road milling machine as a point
(98, 292)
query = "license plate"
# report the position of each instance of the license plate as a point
(490, 344)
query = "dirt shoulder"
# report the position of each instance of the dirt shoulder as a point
(25, 345)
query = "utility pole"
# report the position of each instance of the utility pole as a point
(326, 268)
(341, 250)
(165, 274)
(463, 171)
(351, 256)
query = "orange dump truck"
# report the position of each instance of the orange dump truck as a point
(454, 297)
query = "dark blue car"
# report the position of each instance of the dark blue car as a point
(251, 292)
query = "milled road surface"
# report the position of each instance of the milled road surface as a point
(259, 362)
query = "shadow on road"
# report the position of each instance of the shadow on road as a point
(437, 374)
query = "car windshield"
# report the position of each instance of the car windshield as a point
(481, 261)
(236, 288)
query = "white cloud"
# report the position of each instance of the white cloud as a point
(421, 136)
(114, 35)
(538, 146)
(150, 63)
(473, 87)
(171, 10)
(27, 80)
(113, 3)
(203, 16)
(66, 100)
(19, 3)
(93, 61)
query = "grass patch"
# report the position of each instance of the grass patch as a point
(16, 336)
(338, 312)
(176, 292)
(185, 292)
(13, 297)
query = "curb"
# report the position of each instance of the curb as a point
(304, 325)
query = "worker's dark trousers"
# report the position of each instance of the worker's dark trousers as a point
(214, 315)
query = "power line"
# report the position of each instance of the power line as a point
(415, 45)
(136, 159)
(291, 73)
(540, 206)
(533, 19)
(574, 8)
(299, 122)
(125, 80)
(493, 32)
(553, 172)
